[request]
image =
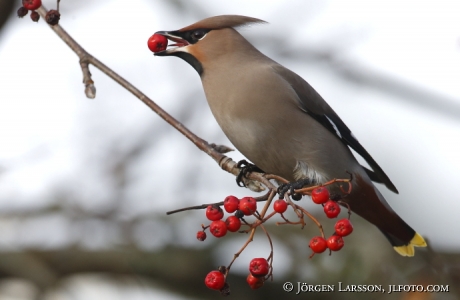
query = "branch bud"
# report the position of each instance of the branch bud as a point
(52, 17)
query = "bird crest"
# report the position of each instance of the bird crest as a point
(223, 21)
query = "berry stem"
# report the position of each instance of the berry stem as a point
(204, 206)
(86, 59)
(270, 257)
(289, 201)
(300, 222)
(257, 223)
(307, 190)
(312, 218)
(271, 195)
(235, 256)
(277, 178)
(348, 207)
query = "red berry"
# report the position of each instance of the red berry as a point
(31, 4)
(218, 228)
(215, 280)
(335, 243)
(318, 244)
(332, 209)
(343, 227)
(233, 223)
(320, 195)
(248, 205)
(259, 267)
(214, 213)
(157, 43)
(255, 282)
(231, 204)
(280, 206)
(201, 235)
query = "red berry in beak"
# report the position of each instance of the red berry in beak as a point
(157, 43)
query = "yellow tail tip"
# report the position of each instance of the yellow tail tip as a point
(418, 241)
(408, 250)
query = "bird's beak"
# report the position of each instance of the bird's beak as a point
(179, 43)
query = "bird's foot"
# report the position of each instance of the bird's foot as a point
(246, 168)
(291, 186)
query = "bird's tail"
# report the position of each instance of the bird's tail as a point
(376, 210)
(408, 250)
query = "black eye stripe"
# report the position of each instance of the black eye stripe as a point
(196, 35)
(191, 36)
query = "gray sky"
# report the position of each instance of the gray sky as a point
(52, 136)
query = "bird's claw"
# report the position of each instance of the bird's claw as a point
(245, 169)
(291, 186)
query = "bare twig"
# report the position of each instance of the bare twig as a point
(307, 190)
(203, 206)
(270, 257)
(87, 59)
(347, 206)
(312, 218)
(235, 256)
(276, 177)
(271, 195)
(90, 89)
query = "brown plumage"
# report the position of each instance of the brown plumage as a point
(280, 123)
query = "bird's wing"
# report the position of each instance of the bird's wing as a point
(311, 103)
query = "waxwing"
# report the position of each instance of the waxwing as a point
(280, 123)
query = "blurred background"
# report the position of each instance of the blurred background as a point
(85, 184)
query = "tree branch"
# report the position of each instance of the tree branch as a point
(87, 59)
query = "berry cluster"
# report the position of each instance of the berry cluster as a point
(258, 267)
(218, 228)
(30, 5)
(241, 210)
(342, 227)
(52, 17)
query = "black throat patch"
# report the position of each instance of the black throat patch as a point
(191, 60)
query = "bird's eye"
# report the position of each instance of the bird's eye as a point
(198, 34)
